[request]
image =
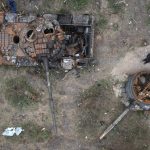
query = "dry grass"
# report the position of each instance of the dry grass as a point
(116, 6)
(89, 112)
(20, 93)
(78, 4)
(32, 133)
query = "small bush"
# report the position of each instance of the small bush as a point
(148, 8)
(148, 21)
(78, 4)
(34, 132)
(102, 22)
(115, 6)
(89, 121)
(95, 90)
(115, 27)
(20, 93)
(148, 12)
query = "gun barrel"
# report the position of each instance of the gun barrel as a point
(51, 101)
(114, 123)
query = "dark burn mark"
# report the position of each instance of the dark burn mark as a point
(147, 59)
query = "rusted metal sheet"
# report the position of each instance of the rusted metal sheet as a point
(138, 91)
(141, 87)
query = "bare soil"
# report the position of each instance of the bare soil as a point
(119, 52)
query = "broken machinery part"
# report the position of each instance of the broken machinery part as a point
(138, 92)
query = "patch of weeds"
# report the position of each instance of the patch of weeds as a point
(47, 6)
(92, 99)
(36, 71)
(144, 42)
(116, 6)
(134, 130)
(32, 133)
(91, 67)
(115, 27)
(148, 8)
(55, 74)
(148, 21)
(102, 22)
(141, 114)
(77, 4)
(6, 67)
(20, 93)
(64, 11)
(95, 90)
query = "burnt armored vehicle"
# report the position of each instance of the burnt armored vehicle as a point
(138, 91)
(66, 40)
(56, 40)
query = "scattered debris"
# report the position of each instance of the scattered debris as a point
(18, 130)
(12, 131)
(36, 7)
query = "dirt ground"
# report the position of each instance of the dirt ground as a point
(119, 51)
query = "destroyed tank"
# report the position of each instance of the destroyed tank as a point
(65, 39)
(137, 89)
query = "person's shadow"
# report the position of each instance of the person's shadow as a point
(147, 59)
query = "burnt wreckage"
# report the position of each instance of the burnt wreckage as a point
(56, 40)
(137, 90)
(135, 96)
(66, 40)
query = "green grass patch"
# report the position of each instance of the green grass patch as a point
(20, 93)
(148, 21)
(64, 11)
(92, 99)
(95, 90)
(77, 4)
(116, 6)
(32, 133)
(148, 8)
(102, 22)
(115, 27)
